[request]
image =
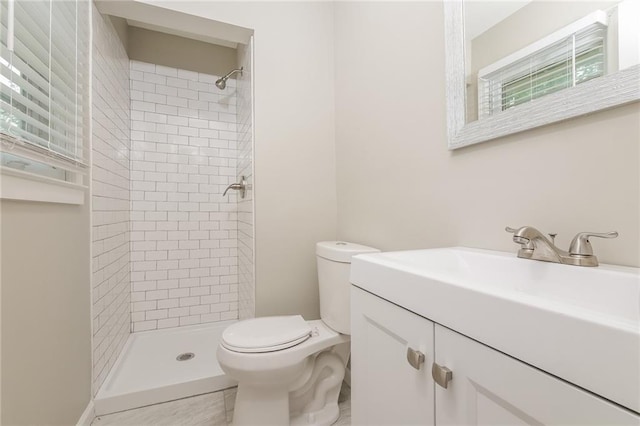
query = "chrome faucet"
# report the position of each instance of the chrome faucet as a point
(534, 245)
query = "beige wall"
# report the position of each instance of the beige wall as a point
(295, 180)
(400, 188)
(46, 337)
(178, 52)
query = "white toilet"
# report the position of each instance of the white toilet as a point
(289, 370)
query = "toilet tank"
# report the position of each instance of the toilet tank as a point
(334, 264)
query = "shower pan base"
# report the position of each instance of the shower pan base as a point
(158, 366)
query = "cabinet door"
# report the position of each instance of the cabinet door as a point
(386, 389)
(491, 388)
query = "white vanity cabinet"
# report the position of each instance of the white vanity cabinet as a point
(487, 387)
(385, 388)
(491, 388)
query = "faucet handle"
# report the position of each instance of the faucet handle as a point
(509, 229)
(580, 245)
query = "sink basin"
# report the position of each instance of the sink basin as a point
(581, 324)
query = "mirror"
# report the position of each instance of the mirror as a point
(516, 65)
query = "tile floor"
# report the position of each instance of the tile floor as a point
(211, 409)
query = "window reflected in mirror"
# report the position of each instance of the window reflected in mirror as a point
(522, 50)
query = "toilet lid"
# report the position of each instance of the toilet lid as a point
(266, 334)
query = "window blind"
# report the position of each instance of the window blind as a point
(44, 82)
(572, 60)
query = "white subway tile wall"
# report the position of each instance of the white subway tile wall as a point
(246, 275)
(110, 198)
(184, 238)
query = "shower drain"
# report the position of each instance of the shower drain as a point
(185, 356)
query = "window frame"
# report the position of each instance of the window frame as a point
(71, 187)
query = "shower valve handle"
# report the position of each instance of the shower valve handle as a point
(242, 187)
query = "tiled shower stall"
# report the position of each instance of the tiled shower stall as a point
(184, 239)
(110, 198)
(168, 249)
(244, 120)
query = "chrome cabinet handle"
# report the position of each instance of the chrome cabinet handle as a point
(580, 245)
(242, 187)
(441, 375)
(415, 358)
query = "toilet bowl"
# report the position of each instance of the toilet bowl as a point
(267, 380)
(289, 370)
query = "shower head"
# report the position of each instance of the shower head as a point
(221, 83)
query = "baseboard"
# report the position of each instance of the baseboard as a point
(89, 414)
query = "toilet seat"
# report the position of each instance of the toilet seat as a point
(266, 334)
(242, 363)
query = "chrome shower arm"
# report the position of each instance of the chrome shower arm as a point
(240, 70)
